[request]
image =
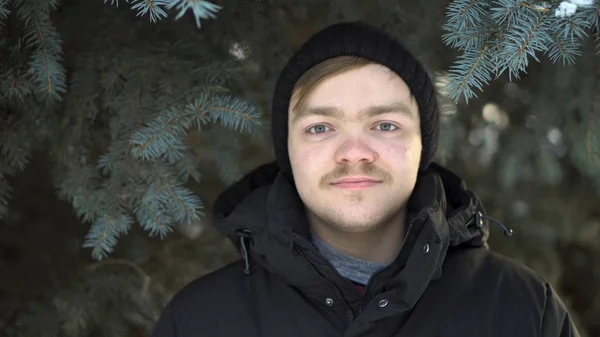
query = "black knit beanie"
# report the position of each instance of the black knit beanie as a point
(355, 39)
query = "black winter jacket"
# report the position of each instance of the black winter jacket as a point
(445, 282)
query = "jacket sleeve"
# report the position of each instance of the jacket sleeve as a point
(165, 326)
(556, 321)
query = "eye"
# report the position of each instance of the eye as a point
(318, 129)
(387, 127)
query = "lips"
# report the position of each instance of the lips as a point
(355, 182)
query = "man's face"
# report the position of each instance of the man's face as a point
(355, 148)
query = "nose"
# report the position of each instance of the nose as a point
(355, 151)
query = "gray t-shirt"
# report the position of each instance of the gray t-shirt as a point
(349, 267)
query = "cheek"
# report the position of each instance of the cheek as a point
(307, 161)
(414, 149)
(403, 154)
(308, 167)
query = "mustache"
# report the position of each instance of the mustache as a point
(369, 170)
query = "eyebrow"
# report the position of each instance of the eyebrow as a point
(396, 107)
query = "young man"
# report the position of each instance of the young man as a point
(352, 232)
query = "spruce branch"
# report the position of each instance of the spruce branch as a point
(465, 40)
(153, 217)
(112, 161)
(79, 181)
(4, 8)
(183, 204)
(187, 168)
(565, 50)
(146, 7)
(535, 8)
(88, 206)
(467, 26)
(122, 143)
(518, 30)
(13, 147)
(472, 69)
(15, 84)
(234, 113)
(4, 11)
(104, 233)
(575, 26)
(524, 41)
(199, 111)
(161, 137)
(465, 14)
(115, 2)
(200, 8)
(164, 199)
(164, 202)
(593, 16)
(151, 7)
(508, 13)
(44, 41)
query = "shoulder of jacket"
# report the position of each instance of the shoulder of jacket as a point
(486, 266)
(530, 287)
(504, 272)
(508, 266)
(498, 282)
(205, 290)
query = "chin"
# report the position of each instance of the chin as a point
(351, 227)
(353, 220)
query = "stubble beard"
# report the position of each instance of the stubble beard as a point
(344, 220)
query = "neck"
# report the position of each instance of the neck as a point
(379, 245)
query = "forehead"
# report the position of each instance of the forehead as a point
(372, 79)
(356, 89)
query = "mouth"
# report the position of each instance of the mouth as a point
(355, 182)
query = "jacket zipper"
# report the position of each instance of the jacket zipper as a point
(361, 303)
(335, 286)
